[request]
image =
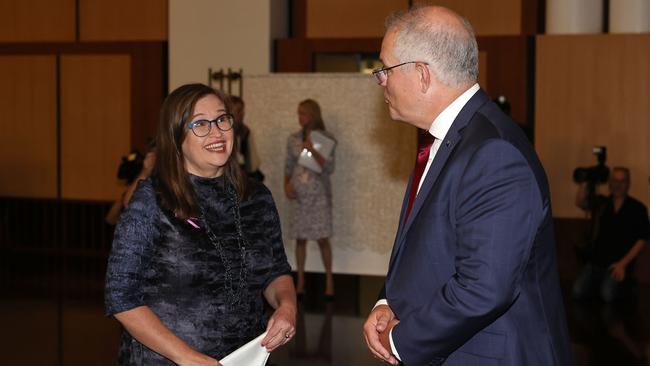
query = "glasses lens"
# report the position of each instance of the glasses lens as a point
(201, 128)
(380, 75)
(225, 122)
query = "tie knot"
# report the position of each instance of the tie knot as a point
(425, 140)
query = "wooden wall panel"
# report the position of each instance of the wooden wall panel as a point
(506, 63)
(349, 19)
(488, 17)
(482, 70)
(37, 20)
(28, 125)
(592, 90)
(298, 54)
(95, 127)
(123, 20)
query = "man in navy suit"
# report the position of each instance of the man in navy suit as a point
(473, 276)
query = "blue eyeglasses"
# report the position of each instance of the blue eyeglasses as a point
(202, 127)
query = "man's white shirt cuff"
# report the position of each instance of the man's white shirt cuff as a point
(380, 302)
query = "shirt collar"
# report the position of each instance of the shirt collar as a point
(443, 122)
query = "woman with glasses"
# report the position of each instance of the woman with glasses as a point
(199, 247)
(311, 191)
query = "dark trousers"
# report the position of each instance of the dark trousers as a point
(596, 281)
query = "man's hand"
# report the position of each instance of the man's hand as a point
(617, 270)
(384, 337)
(377, 323)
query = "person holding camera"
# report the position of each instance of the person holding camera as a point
(620, 231)
(134, 168)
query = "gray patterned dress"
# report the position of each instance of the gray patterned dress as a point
(312, 213)
(173, 268)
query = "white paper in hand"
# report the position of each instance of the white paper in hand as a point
(323, 144)
(250, 354)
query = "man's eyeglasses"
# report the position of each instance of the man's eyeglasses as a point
(381, 74)
(202, 127)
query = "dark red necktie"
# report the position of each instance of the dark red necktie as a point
(425, 140)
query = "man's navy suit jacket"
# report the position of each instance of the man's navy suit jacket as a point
(473, 275)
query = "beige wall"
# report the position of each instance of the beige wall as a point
(242, 39)
(592, 90)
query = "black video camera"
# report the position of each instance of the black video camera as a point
(130, 167)
(596, 174)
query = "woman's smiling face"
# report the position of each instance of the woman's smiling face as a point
(206, 156)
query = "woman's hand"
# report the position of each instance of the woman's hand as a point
(308, 144)
(281, 327)
(289, 190)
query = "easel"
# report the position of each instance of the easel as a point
(231, 77)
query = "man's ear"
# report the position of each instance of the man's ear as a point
(424, 75)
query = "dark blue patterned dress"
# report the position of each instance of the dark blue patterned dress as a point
(173, 268)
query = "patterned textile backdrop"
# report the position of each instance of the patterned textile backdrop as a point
(374, 158)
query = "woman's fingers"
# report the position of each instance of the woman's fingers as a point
(279, 332)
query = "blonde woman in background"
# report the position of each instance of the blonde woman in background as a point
(312, 194)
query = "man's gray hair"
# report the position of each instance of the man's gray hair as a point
(451, 53)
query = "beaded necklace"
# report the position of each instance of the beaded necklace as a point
(234, 294)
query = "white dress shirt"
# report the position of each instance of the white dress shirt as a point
(438, 130)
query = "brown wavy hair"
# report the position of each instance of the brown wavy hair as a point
(173, 181)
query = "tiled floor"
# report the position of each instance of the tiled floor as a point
(328, 334)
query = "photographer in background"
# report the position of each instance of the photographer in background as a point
(132, 170)
(620, 231)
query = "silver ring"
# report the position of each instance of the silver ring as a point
(287, 336)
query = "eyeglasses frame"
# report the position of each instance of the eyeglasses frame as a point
(215, 122)
(384, 70)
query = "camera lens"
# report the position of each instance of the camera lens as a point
(580, 175)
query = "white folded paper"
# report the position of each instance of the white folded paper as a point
(250, 354)
(323, 144)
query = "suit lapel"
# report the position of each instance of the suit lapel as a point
(404, 204)
(450, 141)
(401, 222)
